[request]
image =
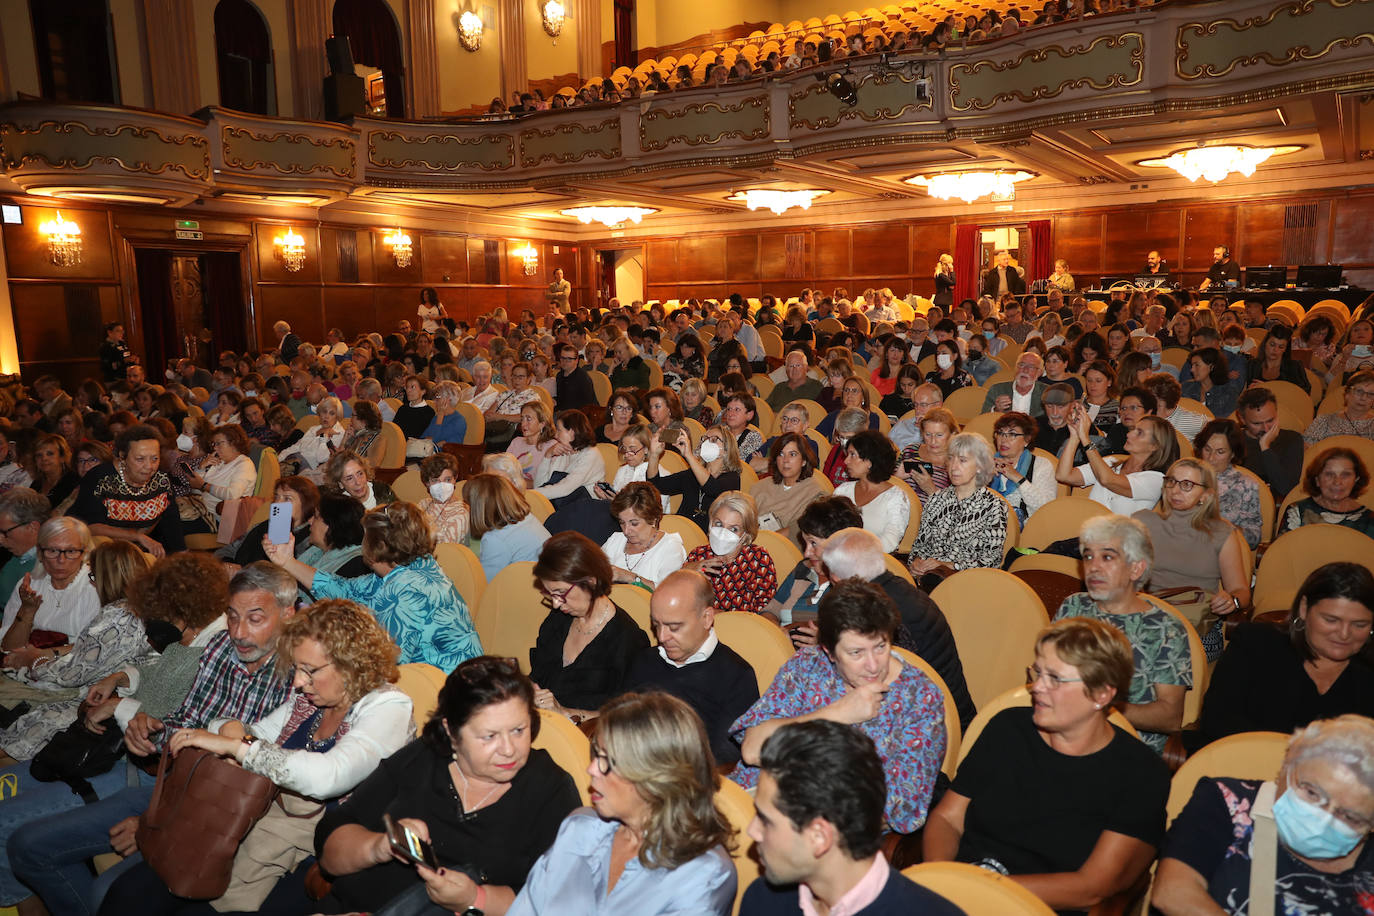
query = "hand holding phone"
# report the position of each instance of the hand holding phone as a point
(279, 523)
(408, 845)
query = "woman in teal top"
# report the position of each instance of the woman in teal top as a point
(412, 598)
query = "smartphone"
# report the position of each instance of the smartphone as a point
(279, 523)
(406, 844)
(913, 466)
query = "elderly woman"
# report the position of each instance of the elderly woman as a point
(315, 446)
(964, 525)
(503, 416)
(926, 465)
(1357, 419)
(853, 677)
(481, 393)
(628, 369)
(535, 438)
(1124, 486)
(226, 409)
(353, 475)
(53, 474)
(713, 468)
(622, 412)
(444, 509)
(1053, 794)
(448, 424)
(741, 572)
(1322, 811)
(1221, 444)
(870, 460)
(653, 826)
(850, 422)
(58, 599)
(407, 590)
(346, 717)
(1024, 478)
(641, 553)
(228, 473)
(796, 599)
(586, 642)
(792, 484)
(415, 414)
(695, 406)
(501, 521)
(336, 537)
(473, 787)
(1334, 480)
(364, 429)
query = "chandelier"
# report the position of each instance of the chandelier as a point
(969, 186)
(529, 259)
(552, 13)
(610, 217)
(290, 250)
(399, 243)
(470, 30)
(64, 241)
(777, 201)
(1216, 162)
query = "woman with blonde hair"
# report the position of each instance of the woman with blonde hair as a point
(501, 520)
(692, 395)
(535, 437)
(713, 468)
(741, 572)
(448, 424)
(653, 825)
(353, 475)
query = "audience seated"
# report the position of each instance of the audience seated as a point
(444, 509)
(351, 474)
(130, 499)
(1334, 480)
(534, 440)
(1127, 485)
(641, 553)
(963, 526)
(741, 572)
(792, 483)
(1357, 419)
(502, 523)
(1272, 452)
(870, 461)
(1025, 479)
(713, 468)
(1222, 444)
(926, 466)
(796, 599)
(22, 513)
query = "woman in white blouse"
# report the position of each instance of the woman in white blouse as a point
(1123, 486)
(482, 394)
(58, 596)
(572, 462)
(503, 416)
(319, 442)
(430, 310)
(641, 553)
(228, 473)
(870, 460)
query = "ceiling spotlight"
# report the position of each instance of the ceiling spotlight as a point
(841, 88)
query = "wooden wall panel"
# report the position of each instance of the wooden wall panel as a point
(660, 260)
(1206, 227)
(773, 256)
(351, 309)
(929, 240)
(300, 306)
(384, 264)
(742, 258)
(832, 253)
(882, 250)
(1130, 236)
(1078, 240)
(1259, 236)
(702, 258)
(272, 270)
(28, 255)
(1352, 239)
(443, 259)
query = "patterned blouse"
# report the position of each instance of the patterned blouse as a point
(1159, 643)
(909, 728)
(967, 533)
(1337, 424)
(1239, 503)
(747, 584)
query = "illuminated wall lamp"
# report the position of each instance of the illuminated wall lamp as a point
(470, 30)
(529, 259)
(64, 241)
(401, 250)
(290, 250)
(552, 13)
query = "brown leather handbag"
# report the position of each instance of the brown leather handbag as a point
(202, 808)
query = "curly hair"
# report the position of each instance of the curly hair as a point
(357, 645)
(190, 589)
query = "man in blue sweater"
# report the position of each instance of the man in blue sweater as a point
(818, 826)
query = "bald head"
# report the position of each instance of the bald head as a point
(681, 613)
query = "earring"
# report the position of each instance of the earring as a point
(1097, 706)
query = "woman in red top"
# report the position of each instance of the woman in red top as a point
(740, 571)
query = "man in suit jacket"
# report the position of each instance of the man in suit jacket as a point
(1023, 392)
(1003, 278)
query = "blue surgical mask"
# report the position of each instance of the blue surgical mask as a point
(1232, 348)
(990, 335)
(1312, 832)
(1156, 359)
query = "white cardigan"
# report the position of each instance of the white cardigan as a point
(585, 469)
(234, 480)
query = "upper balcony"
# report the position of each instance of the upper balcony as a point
(1078, 105)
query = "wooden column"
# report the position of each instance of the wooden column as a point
(310, 25)
(171, 42)
(589, 39)
(511, 32)
(423, 68)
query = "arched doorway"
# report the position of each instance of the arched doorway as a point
(243, 47)
(74, 51)
(373, 35)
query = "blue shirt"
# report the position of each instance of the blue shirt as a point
(418, 606)
(500, 547)
(571, 879)
(453, 429)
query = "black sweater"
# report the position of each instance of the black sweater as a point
(720, 689)
(900, 896)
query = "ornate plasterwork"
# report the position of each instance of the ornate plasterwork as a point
(571, 143)
(77, 145)
(1294, 31)
(288, 153)
(881, 97)
(435, 152)
(700, 123)
(1108, 62)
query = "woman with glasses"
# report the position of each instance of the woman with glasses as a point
(1322, 804)
(58, 599)
(89, 455)
(1053, 794)
(1222, 445)
(345, 717)
(1195, 552)
(622, 412)
(1334, 480)
(1023, 477)
(653, 842)
(1357, 419)
(641, 553)
(712, 469)
(228, 472)
(503, 417)
(586, 642)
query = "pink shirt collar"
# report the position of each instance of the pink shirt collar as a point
(857, 897)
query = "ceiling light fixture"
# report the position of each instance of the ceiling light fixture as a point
(64, 241)
(290, 250)
(776, 200)
(1216, 162)
(969, 186)
(470, 30)
(552, 13)
(610, 217)
(399, 243)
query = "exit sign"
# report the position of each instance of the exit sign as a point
(193, 235)
(188, 224)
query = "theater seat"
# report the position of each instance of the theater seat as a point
(510, 612)
(738, 807)
(421, 682)
(568, 746)
(758, 640)
(1248, 755)
(976, 890)
(953, 735)
(995, 618)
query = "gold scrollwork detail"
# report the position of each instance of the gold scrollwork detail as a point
(873, 103)
(709, 133)
(1282, 53)
(85, 159)
(1135, 63)
(234, 134)
(590, 132)
(501, 145)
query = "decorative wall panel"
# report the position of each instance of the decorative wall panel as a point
(146, 149)
(571, 143)
(1109, 62)
(700, 123)
(881, 97)
(390, 149)
(288, 153)
(1295, 31)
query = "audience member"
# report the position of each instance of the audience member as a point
(1334, 480)
(1273, 453)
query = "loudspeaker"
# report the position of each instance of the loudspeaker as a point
(340, 54)
(343, 96)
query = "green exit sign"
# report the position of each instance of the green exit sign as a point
(188, 224)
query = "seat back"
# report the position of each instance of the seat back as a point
(269, 472)
(759, 641)
(690, 532)
(738, 807)
(510, 613)
(1268, 511)
(995, 618)
(1248, 755)
(1059, 519)
(953, 735)
(307, 422)
(1197, 657)
(634, 600)
(1294, 555)
(539, 504)
(966, 403)
(394, 456)
(1019, 696)
(476, 432)
(408, 487)
(568, 746)
(601, 385)
(421, 682)
(784, 553)
(464, 570)
(610, 457)
(913, 522)
(977, 890)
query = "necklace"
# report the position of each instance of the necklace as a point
(640, 554)
(589, 625)
(466, 813)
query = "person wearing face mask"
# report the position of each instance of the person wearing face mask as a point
(740, 571)
(978, 365)
(443, 508)
(948, 375)
(712, 469)
(1318, 813)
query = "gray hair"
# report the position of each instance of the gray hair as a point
(333, 403)
(851, 420)
(853, 553)
(479, 364)
(507, 465)
(24, 506)
(368, 387)
(445, 391)
(65, 524)
(263, 576)
(1133, 536)
(743, 504)
(973, 445)
(1345, 740)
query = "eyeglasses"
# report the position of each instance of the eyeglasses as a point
(553, 599)
(1034, 676)
(69, 553)
(604, 763)
(311, 672)
(1361, 392)
(5, 532)
(630, 452)
(1184, 486)
(1008, 434)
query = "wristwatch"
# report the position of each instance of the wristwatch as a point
(249, 740)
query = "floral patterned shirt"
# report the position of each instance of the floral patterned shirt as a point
(747, 584)
(1239, 503)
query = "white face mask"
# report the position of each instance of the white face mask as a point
(441, 490)
(184, 442)
(709, 451)
(723, 540)
(171, 374)
(944, 360)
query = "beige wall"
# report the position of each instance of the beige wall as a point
(133, 77)
(545, 56)
(20, 60)
(466, 78)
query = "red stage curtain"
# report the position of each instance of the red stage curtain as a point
(966, 262)
(1042, 254)
(376, 42)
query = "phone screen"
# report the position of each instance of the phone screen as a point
(408, 845)
(279, 523)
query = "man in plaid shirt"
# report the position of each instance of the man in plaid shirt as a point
(236, 680)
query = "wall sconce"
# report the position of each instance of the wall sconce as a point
(470, 30)
(399, 243)
(529, 258)
(552, 13)
(290, 250)
(64, 241)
